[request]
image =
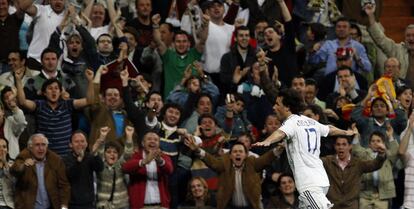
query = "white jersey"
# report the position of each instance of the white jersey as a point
(303, 148)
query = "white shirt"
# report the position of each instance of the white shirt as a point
(47, 21)
(409, 172)
(248, 155)
(303, 148)
(47, 75)
(7, 78)
(96, 32)
(239, 199)
(152, 192)
(409, 178)
(218, 43)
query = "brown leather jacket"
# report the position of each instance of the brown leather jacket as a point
(56, 183)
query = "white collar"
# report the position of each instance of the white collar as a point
(47, 76)
(169, 128)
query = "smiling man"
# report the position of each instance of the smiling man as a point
(326, 52)
(231, 65)
(80, 168)
(176, 60)
(149, 169)
(16, 60)
(49, 70)
(378, 119)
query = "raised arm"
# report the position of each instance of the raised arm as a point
(269, 86)
(98, 146)
(276, 136)
(287, 17)
(129, 105)
(406, 137)
(55, 38)
(113, 16)
(90, 94)
(103, 69)
(21, 96)
(129, 142)
(18, 121)
(370, 11)
(202, 34)
(214, 163)
(27, 6)
(373, 165)
(371, 92)
(392, 151)
(89, 44)
(162, 48)
(386, 44)
(111, 11)
(88, 9)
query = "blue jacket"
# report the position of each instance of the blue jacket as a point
(238, 125)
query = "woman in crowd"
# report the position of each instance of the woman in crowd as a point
(6, 179)
(405, 98)
(12, 121)
(288, 196)
(198, 195)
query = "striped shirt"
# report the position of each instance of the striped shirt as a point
(169, 141)
(55, 124)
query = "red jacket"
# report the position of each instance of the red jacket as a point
(138, 179)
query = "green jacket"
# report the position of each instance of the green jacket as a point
(386, 187)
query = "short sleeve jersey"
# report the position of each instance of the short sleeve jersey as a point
(46, 22)
(303, 148)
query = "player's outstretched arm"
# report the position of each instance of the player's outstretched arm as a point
(334, 131)
(275, 137)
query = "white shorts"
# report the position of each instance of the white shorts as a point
(314, 198)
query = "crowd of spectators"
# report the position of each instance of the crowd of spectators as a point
(117, 104)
